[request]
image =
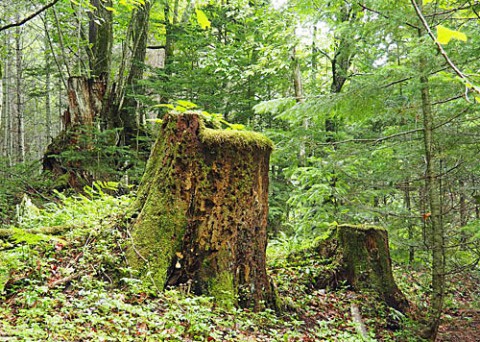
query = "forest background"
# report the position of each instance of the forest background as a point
(372, 106)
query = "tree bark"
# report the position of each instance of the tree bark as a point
(123, 111)
(100, 36)
(203, 204)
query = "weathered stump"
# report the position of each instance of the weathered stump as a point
(361, 258)
(85, 98)
(203, 204)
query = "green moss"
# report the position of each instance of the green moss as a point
(361, 227)
(243, 140)
(223, 290)
(152, 249)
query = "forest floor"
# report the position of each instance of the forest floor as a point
(77, 287)
(461, 322)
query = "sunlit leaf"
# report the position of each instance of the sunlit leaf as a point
(444, 35)
(236, 127)
(202, 19)
(111, 9)
(187, 104)
(180, 109)
(164, 105)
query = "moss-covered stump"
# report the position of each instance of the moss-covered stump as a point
(203, 204)
(360, 257)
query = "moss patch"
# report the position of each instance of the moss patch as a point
(242, 140)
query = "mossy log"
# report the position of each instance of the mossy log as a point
(54, 230)
(361, 259)
(203, 204)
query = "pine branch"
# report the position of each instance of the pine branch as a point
(373, 140)
(30, 17)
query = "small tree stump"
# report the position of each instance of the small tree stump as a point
(362, 259)
(203, 204)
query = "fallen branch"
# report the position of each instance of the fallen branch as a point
(65, 280)
(357, 318)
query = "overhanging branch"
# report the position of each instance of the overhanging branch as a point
(30, 17)
(463, 77)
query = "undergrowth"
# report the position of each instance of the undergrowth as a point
(77, 286)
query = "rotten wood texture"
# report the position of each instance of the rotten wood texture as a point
(360, 257)
(203, 205)
(85, 99)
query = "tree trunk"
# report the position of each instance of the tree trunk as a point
(100, 36)
(434, 220)
(361, 258)
(48, 102)
(122, 111)
(436, 233)
(203, 204)
(20, 127)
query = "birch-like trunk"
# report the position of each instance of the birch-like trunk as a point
(20, 128)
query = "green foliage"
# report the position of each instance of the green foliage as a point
(97, 155)
(81, 289)
(15, 181)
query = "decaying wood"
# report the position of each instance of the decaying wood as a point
(203, 205)
(85, 101)
(358, 256)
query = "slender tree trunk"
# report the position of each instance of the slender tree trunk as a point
(7, 108)
(463, 204)
(48, 102)
(5, 102)
(298, 89)
(408, 206)
(122, 111)
(100, 37)
(341, 63)
(436, 233)
(477, 206)
(132, 111)
(20, 155)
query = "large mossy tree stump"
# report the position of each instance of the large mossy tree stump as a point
(361, 258)
(203, 204)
